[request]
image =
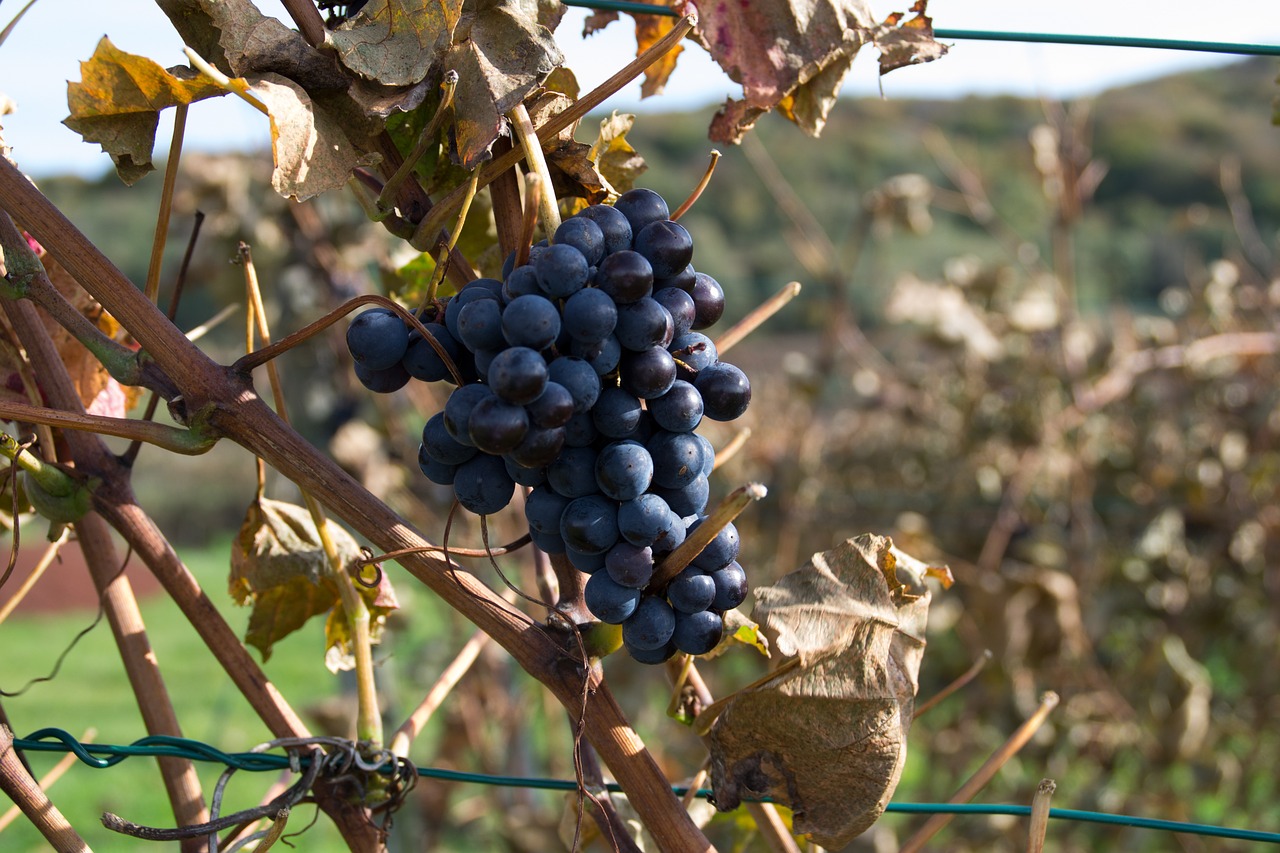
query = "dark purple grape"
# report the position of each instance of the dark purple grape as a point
(518, 375)
(720, 551)
(573, 473)
(653, 657)
(629, 565)
(641, 206)
(482, 484)
(607, 601)
(626, 276)
(692, 352)
(697, 633)
(678, 410)
(725, 391)
(677, 458)
(539, 447)
(457, 410)
(682, 280)
(603, 356)
(440, 473)
(480, 325)
(586, 563)
(643, 324)
(530, 321)
(680, 306)
(590, 315)
(562, 270)
(590, 524)
(453, 310)
(421, 359)
(624, 470)
(616, 413)
(442, 446)
(386, 381)
(613, 224)
(377, 339)
(708, 297)
(553, 407)
(523, 476)
(643, 520)
(689, 500)
(667, 246)
(581, 430)
(549, 543)
(651, 626)
(543, 508)
(691, 591)
(579, 378)
(584, 235)
(523, 281)
(497, 427)
(731, 587)
(648, 374)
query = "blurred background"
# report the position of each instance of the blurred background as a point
(1037, 342)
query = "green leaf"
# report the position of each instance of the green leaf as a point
(118, 100)
(396, 42)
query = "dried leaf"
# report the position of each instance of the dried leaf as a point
(381, 600)
(310, 149)
(118, 100)
(396, 42)
(827, 736)
(573, 169)
(597, 21)
(501, 54)
(912, 43)
(279, 566)
(650, 29)
(617, 161)
(739, 630)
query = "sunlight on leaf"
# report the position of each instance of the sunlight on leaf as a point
(828, 736)
(396, 42)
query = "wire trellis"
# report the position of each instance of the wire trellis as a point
(108, 755)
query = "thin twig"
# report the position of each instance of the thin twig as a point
(17, 783)
(448, 679)
(731, 449)
(46, 560)
(51, 778)
(761, 313)
(537, 161)
(969, 675)
(189, 442)
(984, 774)
(152, 288)
(235, 86)
(729, 509)
(699, 189)
(1040, 815)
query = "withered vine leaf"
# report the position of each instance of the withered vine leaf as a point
(617, 161)
(828, 735)
(909, 44)
(279, 566)
(381, 600)
(311, 151)
(118, 100)
(573, 171)
(650, 29)
(501, 53)
(396, 42)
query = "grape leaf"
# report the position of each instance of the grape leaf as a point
(909, 44)
(827, 735)
(118, 100)
(501, 54)
(650, 29)
(381, 600)
(310, 148)
(573, 170)
(279, 566)
(396, 42)
(617, 161)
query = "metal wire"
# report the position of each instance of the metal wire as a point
(1238, 48)
(108, 755)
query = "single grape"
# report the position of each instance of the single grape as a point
(549, 543)
(697, 633)
(725, 390)
(377, 339)
(720, 551)
(626, 276)
(579, 378)
(678, 410)
(608, 601)
(731, 587)
(651, 626)
(652, 657)
(553, 407)
(453, 310)
(629, 565)
(682, 280)
(642, 521)
(543, 507)
(672, 535)
(613, 224)
(442, 446)
(497, 427)
(580, 431)
(677, 458)
(666, 245)
(648, 374)
(708, 455)
(588, 564)
(679, 305)
(641, 206)
(482, 484)
(643, 324)
(562, 270)
(603, 356)
(518, 375)
(523, 476)
(624, 470)
(690, 500)
(692, 352)
(385, 381)
(458, 408)
(539, 448)
(421, 359)
(616, 413)
(590, 524)
(708, 298)
(590, 315)
(480, 325)
(441, 473)
(573, 473)
(522, 281)
(584, 235)
(691, 591)
(530, 321)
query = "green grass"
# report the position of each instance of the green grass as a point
(91, 689)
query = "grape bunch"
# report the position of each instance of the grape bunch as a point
(584, 374)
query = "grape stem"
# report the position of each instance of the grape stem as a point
(537, 161)
(757, 317)
(235, 86)
(729, 509)
(529, 220)
(699, 189)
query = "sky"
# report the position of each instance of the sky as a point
(45, 50)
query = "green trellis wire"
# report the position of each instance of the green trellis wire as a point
(108, 755)
(1239, 48)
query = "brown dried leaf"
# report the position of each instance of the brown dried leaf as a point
(828, 735)
(650, 29)
(573, 170)
(310, 149)
(597, 21)
(381, 600)
(396, 42)
(118, 100)
(501, 54)
(617, 161)
(279, 566)
(912, 43)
